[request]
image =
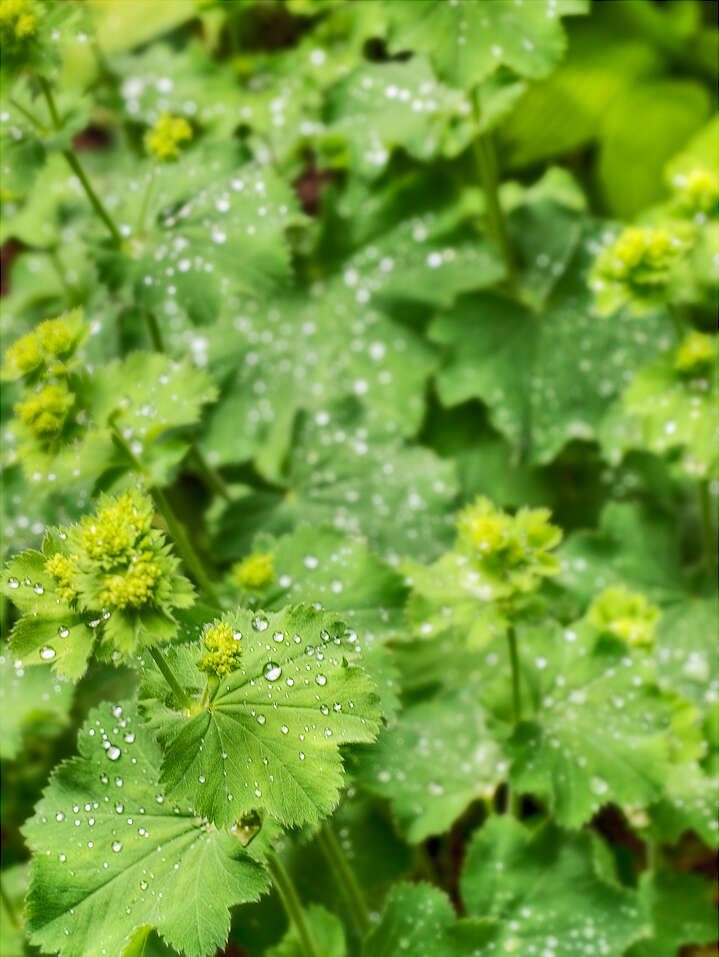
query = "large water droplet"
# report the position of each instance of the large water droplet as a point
(38, 589)
(117, 846)
(113, 754)
(321, 680)
(259, 623)
(13, 583)
(272, 671)
(63, 632)
(47, 653)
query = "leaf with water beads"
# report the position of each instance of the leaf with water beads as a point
(467, 41)
(342, 472)
(269, 736)
(492, 341)
(432, 763)
(419, 919)
(50, 630)
(380, 106)
(540, 893)
(112, 853)
(680, 910)
(573, 685)
(28, 695)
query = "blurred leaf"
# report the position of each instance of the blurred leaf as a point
(28, 695)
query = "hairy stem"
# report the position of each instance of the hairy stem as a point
(345, 877)
(9, 907)
(77, 169)
(486, 160)
(167, 673)
(291, 904)
(175, 527)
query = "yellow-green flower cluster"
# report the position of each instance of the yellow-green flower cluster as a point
(697, 192)
(696, 351)
(164, 139)
(46, 349)
(513, 551)
(636, 268)
(625, 614)
(18, 23)
(254, 572)
(223, 649)
(115, 561)
(45, 411)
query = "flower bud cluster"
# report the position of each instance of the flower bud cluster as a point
(223, 649)
(164, 139)
(697, 352)
(511, 550)
(114, 564)
(624, 614)
(254, 572)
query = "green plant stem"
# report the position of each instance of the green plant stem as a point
(345, 877)
(709, 537)
(174, 526)
(209, 474)
(77, 169)
(26, 113)
(153, 328)
(145, 202)
(514, 663)
(167, 673)
(291, 903)
(677, 320)
(486, 160)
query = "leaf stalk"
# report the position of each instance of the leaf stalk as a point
(345, 877)
(291, 903)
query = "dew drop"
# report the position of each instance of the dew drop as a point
(321, 680)
(47, 653)
(38, 589)
(272, 671)
(63, 632)
(117, 846)
(259, 623)
(113, 754)
(13, 583)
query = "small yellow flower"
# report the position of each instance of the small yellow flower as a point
(46, 411)
(223, 649)
(52, 340)
(697, 349)
(254, 572)
(112, 535)
(134, 587)
(625, 614)
(23, 357)
(63, 569)
(164, 139)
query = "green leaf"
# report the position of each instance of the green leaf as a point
(688, 804)
(119, 28)
(680, 911)
(327, 933)
(572, 687)
(685, 653)
(524, 365)
(50, 631)
(671, 110)
(541, 893)
(112, 854)
(419, 919)
(227, 238)
(381, 106)
(270, 735)
(292, 354)
(29, 695)
(467, 41)
(161, 79)
(633, 546)
(683, 422)
(432, 763)
(342, 472)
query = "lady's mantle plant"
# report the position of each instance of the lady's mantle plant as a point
(360, 479)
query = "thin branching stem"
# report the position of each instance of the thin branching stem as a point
(285, 887)
(345, 877)
(167, 673)
(77, 168)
